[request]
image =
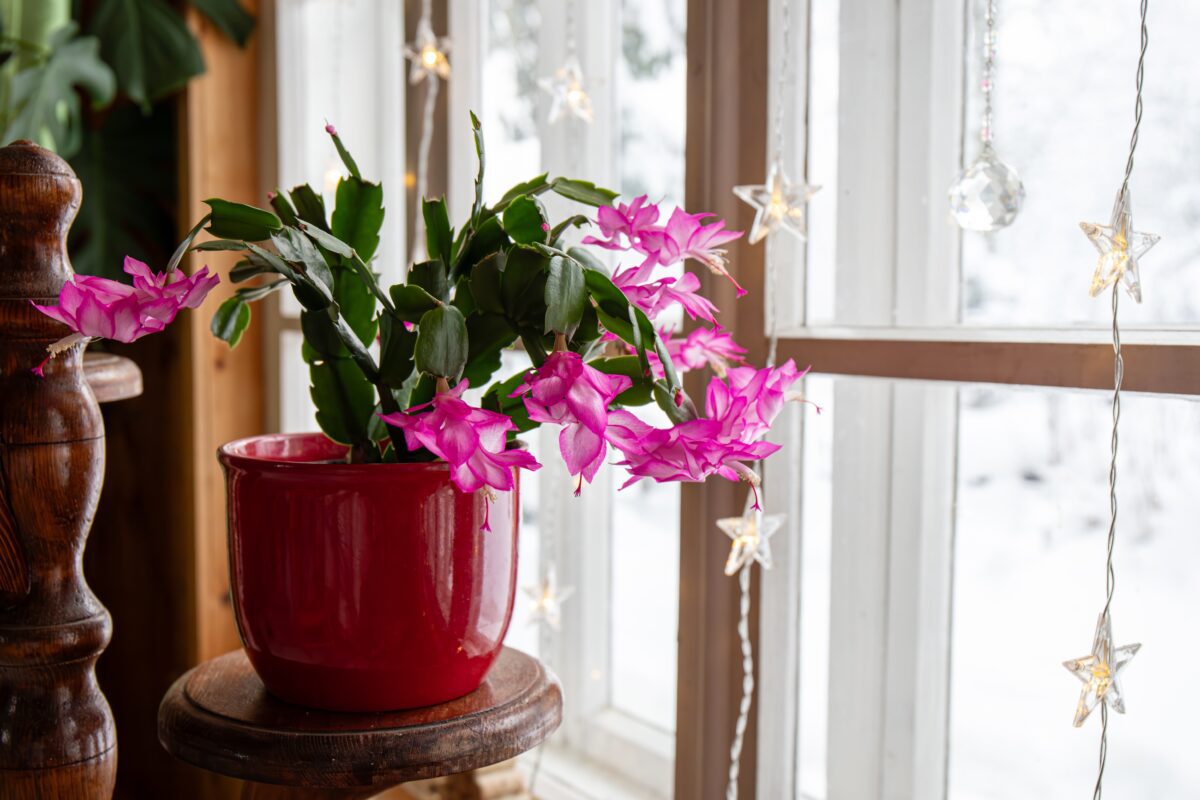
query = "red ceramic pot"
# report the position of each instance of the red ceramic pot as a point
(364, 587)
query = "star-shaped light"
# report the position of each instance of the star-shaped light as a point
(428, 54)
(547, 598)
(567, 94)
(779, 204)
(751, 538)
(1100, 671)
(1120, 247)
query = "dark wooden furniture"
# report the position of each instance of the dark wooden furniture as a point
(57, 731)
(218, 716)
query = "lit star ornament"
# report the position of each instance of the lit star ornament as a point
(1099, 672)
(779, 204)
(1120, 247)
(547, 599)
(751, 538)
(567, 94)
(428, 54)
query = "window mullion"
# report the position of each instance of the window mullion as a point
(866, 225)
(862, 468)
(924, 444)
(928, 147)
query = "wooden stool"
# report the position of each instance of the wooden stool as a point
(219, 717)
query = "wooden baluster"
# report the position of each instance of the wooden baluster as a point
(55, 725)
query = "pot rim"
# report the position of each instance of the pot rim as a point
(235, 454)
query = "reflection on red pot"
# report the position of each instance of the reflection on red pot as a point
(364, 587)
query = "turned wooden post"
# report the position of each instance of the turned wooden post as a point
(57, 738)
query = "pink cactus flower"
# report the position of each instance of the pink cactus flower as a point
(471, 440)
(654, 297)
(181, 290)
(565, 391)
(738, 411)
(691, 451)
(711, 347)
(686, 236)
(624, 224)
(99, 308)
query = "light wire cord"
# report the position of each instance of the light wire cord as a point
(417, 249)
(771, 316)
(1110, 575)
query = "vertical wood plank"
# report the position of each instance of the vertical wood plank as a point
(223, 387)
(726, 146)
(220, 159)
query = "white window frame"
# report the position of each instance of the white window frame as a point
(377, 142)
(600, 751)
(898, 148)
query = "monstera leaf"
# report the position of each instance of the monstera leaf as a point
(149, 47)
(228, 15)
(44, 105)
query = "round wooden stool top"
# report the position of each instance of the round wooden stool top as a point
(219, 716)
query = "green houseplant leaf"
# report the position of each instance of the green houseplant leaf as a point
(566, 296)
(230, 220)
(441, 348)
(45, 105)
(234, 21)
(584, 192)
(525, 221)
(149, 47)
(231, 320)
(358, 216)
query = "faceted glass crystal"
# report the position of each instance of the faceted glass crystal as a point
(988, 195)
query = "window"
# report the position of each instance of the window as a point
(616, 651)
(945, 548)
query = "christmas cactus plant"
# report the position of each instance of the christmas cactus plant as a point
(389, 366)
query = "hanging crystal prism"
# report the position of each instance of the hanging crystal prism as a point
(988, 194)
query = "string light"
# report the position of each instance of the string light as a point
(567, 93)
(428, 53)
(429, 56)
(1100, 670)
(751, 537)
(1119, 247)
(547, 599)
(779, 202)
(568, 96)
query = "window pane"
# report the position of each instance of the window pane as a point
(645, 595)
(297, 414)
(1029, 581)
(510, 95)
(823, 57)
(651, 77)
(1064, 112)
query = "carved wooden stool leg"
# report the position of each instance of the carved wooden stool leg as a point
(56, 727)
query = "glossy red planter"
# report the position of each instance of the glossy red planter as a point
(364, 587)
